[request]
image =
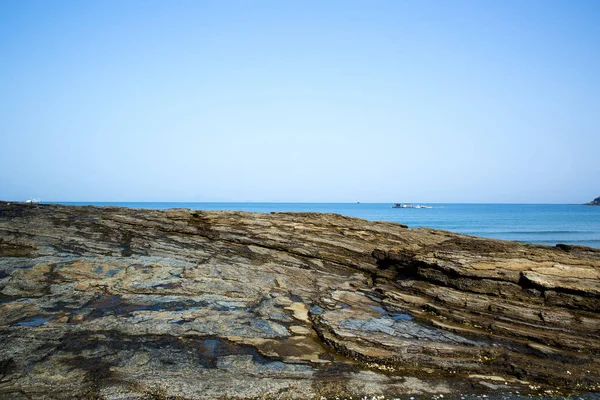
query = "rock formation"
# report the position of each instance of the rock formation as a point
(595, 202)
(122, 303)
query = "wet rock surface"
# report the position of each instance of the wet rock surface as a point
(130, 304)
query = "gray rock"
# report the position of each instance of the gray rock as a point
(114, 303)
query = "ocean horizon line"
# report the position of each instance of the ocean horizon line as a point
(284, 202)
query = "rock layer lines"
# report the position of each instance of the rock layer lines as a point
(124, 303)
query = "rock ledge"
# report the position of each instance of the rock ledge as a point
(122, 303)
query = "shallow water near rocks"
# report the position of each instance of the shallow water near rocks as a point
(33, 321)
(104, 305)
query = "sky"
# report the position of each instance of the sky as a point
(300, 101)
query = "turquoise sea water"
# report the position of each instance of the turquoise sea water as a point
(533, 223)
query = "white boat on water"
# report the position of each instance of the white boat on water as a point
(402, 205)
(34, 200)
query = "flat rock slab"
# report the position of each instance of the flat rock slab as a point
(115, 303)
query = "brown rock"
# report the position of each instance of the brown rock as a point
(122, 303)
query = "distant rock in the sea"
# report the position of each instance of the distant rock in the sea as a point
(595, 202)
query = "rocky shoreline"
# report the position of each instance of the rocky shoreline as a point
(116, 303)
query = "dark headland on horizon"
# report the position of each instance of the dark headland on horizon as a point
(595, 202)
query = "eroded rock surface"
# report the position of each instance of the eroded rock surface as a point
(128, 304)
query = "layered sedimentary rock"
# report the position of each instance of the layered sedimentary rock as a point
(124, 304)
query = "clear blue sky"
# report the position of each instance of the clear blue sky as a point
(371, 101)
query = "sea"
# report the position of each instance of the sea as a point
(547, 224)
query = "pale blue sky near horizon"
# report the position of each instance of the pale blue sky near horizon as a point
(300, 101)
